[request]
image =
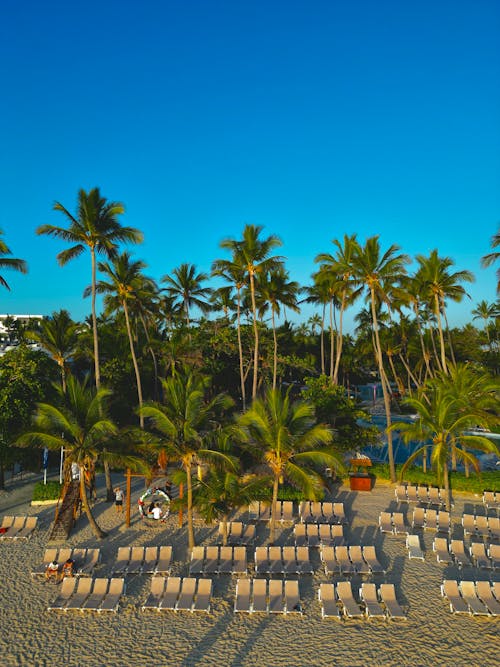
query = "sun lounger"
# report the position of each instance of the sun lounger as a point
(423, 494)
(328, 513)
(242, 602)
(316, 513)
(468, 591)
(342, 556)
(97, 595)
(450, 591)
(444, 522)
(15, 528)
(414, 548)
(496, 589)
(211, 560)
(482, 526)
(136, 559)
(325, 534)
(479, 556)
(359, 563)
(313, 539)
(248, 535)
(368, 596)
(400, 493)
(485, 594)
(239, 560)
(172, 590)
(197, 560)
(388, 596)
(113, 596)
(491, 499)
(186, 597)
(337, 533)
(290, 565)
(259, 595)
(67, 589)
(305, 511)
(385, 523)
(494, 554)
(276, 596)
(411, 494)
(164, 564)
(330, 563)
(7, 522)
(261, 560)
(469, 524)
(122, 560)
(253, 511)
(203, 595)
(435, 497)
(431, 520)
(49, 556)
(303, 560)
(79, 556)
(339, 512)
(265, 512)
(398, 521)
(154, 598)
(83, 588)
(494, 526)
(292, 597)
(287, 511)
(235, 529)
(350, 607)
(150, 560)
(300, 534)
(370, 556)
(28, 528)
(457, 550)
(418, 518)
(326, 595)
(225, 560)
(275, 561)
(91, 560)
(441, 548)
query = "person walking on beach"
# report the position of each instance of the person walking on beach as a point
(119, 496)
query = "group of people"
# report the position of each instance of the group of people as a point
(55, 572)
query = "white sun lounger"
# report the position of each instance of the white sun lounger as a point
(150, 560)
(186, 597)
(122, 560)
(260, 596)
(172, 590)
(276, 596)
(28, 528)
(292, 597)
(97, 594)
(329, 608)
(368, 596)
(350, 607)
(388, 596)
(49, 556)
(414, 548)
(67, 589)
(485, 593)
(242, 601)
(468, 591)
(154, 598)
(441, 548)
(112, 598)
(479, 555)
(203, 595)
(370, 555)
(164, 564)
(83, 588)
(450, 591)
(239, 560)
(457, 549)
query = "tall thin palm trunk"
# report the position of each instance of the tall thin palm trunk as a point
(189, 482)
(256, 338)
(322, 340)
(332, 341)
(339, 341)
(240, 347)
(134, 361)
(98, 532)
(437, 311)
(275, 357)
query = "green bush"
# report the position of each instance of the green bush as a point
(49, 491)
(458, 481)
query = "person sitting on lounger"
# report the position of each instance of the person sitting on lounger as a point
(156, 512)
(52, 571)
(68, 569)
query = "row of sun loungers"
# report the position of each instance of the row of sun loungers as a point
(238, 534)
(472, 597)
(268, 597)
(176, 594)
(89, 595)
(420, 494)
(17, 527)
(483, 526)
(85, 560)
(316, 535)
(260, 511)
(351, 560)
(316, 512)
(218, 560)
(429, 519)
(143, 560)
(338, 600)
(482, 557)
(491, 499)
(282, 560)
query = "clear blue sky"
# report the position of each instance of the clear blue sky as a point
(313, 119)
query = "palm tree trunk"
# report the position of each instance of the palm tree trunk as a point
(446, 479)
(408, 370)
(189, 482)
(98, 532)
(339, 341)
(224, 530)
(256, 338)
(240, 349)
(272, 528)
(275, 359)
(63, 377)
(387, 400)
(437, 311)
(134, 361)
(332, 344)
(322, 341)
(448, 332)
(153, 355)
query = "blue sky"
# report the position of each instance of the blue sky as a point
(313, 119)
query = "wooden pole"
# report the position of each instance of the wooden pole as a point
(129, 486)
(181, 495)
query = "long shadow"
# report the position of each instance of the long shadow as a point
(207, 641)
(246, 647)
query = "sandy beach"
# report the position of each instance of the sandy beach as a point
(31, 635)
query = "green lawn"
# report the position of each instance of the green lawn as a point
(489, 480)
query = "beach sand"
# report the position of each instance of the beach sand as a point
(33, 636)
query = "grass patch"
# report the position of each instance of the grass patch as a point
(489, 479)
(49, 491)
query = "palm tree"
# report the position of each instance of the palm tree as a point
(124, 282)
(440, 284)
(493, 257)
(58, 335)
(185, 285)
(81, 426)
(317, 293)
(339, 267)
(276, 290)
(485, 311)
(289, 441)
(253, 254)
(182, 423)
(443, 419)
(378, 273)
(9, 262)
